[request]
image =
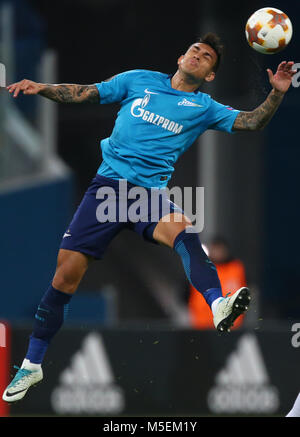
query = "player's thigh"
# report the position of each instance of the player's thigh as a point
(70, 269)
(169, 227)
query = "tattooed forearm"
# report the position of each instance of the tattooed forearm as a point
(71, 93)
(259, 117)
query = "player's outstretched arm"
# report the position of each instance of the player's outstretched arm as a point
(260, 117)
(62, 93)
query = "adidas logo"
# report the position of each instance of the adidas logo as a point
(87, 386)
(243, 386)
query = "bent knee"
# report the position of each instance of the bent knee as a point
(169, 227)
(67, 278)
(71, 267)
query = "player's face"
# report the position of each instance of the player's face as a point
(198, 62)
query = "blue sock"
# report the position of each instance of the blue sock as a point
(49, 317)
(200, 271)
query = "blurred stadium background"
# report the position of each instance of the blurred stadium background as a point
(129, 320)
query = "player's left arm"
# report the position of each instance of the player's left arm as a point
(260, 117)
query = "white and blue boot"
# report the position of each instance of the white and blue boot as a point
(28, 375)
(229, 308)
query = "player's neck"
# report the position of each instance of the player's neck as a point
(184, 83)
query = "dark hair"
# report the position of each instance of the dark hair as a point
(214, 41)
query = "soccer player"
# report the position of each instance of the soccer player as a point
(160, 117)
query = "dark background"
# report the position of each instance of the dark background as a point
(173, 375)
(257, 178)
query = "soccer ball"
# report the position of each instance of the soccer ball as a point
(269, 30)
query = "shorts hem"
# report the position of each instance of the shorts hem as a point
(84, 252)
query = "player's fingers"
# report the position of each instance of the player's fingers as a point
(25, 88)
(17, 90)
(281, 66)
(288, 65)
(12, 87)
(289, 68)
(270, 74)
(21, 86)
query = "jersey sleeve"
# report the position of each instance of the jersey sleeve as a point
(222, 117)
(114, 89)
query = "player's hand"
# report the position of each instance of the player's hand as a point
(282, 79)
(27, 86)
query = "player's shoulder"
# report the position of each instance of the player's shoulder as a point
(204, 98)
(143, 73)
(139, 78)
(147, 76)
(214, 103)
(208, 97)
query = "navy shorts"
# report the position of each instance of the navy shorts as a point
(108, 207)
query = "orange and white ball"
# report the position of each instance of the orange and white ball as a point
(269, 30)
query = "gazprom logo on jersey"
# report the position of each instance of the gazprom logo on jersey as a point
(138, 110)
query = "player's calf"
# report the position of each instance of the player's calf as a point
(200, 271)
(202, 274)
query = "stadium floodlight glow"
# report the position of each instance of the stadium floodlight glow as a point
(2, 76)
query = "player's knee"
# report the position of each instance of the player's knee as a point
(71, 267)
(67, 279)
(62, 284)
(169, 227)
(186, 227)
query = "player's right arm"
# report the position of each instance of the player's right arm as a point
(260, 117)
(61, 93)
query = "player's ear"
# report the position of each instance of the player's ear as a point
(210, 77)
(180, 59)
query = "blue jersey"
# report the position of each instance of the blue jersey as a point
(155, 125)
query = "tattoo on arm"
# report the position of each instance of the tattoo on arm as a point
(71, 93)
(259, 117)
